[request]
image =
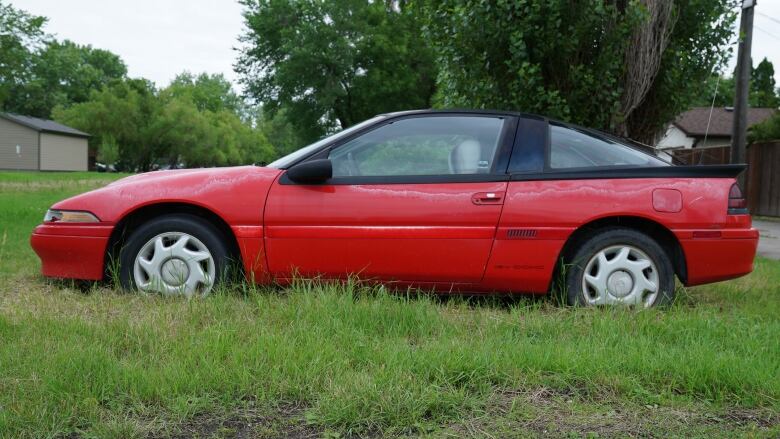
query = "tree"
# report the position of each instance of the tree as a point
(766, 130)
(108, 150)
(334, 63)
(717, 90)
(763, 91)
(145, 128)
(278, 129)
(20, 35)
(123, 113)
(625, 67)
(207, 92)
(698, 45)
(64, 73)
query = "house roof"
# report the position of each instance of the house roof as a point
(694, 121)
(43, 125)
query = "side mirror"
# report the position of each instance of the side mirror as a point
(311, 172)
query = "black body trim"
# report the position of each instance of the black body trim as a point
(407, 179)
(699, 171)
(311, 172)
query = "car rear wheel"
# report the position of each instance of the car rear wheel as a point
(174, 255)
(619, 266)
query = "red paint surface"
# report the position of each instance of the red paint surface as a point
(70, 251)
(667, 200)
(447, 236)
(410, 232)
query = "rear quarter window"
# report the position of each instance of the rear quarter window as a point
(572, 148)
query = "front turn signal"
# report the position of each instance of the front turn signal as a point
(69, 216)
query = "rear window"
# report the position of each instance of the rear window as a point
(573, 148)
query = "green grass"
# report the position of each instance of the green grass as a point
(326, 359)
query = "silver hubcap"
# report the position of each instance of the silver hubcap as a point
(620, 274)
(174, 263)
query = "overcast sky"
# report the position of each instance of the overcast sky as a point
(158, 39)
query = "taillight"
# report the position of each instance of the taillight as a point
(737, 201)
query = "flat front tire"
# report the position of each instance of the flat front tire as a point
(619, 266)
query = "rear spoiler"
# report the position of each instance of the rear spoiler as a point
(685, 171)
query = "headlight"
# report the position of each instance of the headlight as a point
(69, 216)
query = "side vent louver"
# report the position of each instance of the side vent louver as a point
(520, 233)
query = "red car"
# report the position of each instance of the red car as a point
(448, 200)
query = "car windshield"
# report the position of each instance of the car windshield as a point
(289, 159)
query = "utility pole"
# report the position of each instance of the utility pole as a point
(744, 64)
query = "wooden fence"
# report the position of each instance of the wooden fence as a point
(763, 179)
(763, 175)
(712, 155)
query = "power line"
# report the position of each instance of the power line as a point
(767, 32)
(768, 17)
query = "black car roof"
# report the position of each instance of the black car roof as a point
(464, 110)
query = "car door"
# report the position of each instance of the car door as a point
(416, 198)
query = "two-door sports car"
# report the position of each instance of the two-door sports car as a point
(469, 201)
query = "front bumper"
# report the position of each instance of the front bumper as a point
(716, 258)
(72, 251)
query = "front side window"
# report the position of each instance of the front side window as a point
(290, 159)
(572, 148)
(441, 145)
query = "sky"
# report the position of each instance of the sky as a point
(159, 39)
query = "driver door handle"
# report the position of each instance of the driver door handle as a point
(483, 198)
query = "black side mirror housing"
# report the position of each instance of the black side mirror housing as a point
(311, 172)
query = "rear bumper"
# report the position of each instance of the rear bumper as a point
(713, 256)
(71, 251)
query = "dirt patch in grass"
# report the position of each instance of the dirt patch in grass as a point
(283, 421)
(546, 412)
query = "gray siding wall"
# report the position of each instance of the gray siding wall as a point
(63, 153)
(11, 135)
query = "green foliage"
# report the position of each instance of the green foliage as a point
(20, 35)
(553, 58)
(208, 92)
(278, 129)
(334, 63)
(566, 59)
(38, 73)
(699, 45)
(108, 151)
(719, 87)
(763, 90)
(64, 73)
(766, 130)
(188, 124)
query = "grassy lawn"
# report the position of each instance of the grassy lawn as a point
(334, 361)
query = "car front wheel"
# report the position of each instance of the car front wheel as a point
(174, 255)
(619, 266)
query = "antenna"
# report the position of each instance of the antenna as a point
(712, 106)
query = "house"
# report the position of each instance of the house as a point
(691, 130)
(29, 143)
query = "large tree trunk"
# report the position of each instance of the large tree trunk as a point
(643, 58)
